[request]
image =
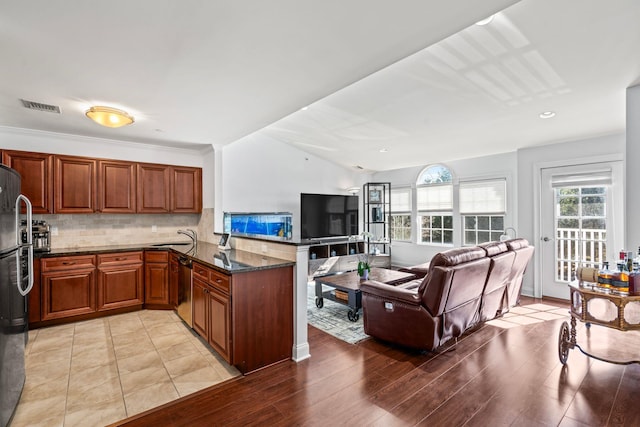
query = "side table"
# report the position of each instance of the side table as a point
(593, 306)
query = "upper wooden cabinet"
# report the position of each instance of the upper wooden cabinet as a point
(75, 184)
(163, 188)
(154, 188)
(72, 184)
(36, 170)
(186, 189)
(116, 186)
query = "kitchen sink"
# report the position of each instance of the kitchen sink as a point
(171, 244)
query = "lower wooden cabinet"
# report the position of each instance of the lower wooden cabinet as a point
(246, 317)
(68, 286)
(220, 323)
(120, 280)
(199, 307)
(212, 311)
(156, 278)
(84, 285)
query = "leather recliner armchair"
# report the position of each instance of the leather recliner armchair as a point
(498, 279)
(524, 253)
(444, 305)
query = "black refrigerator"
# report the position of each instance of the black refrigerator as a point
(16, 280)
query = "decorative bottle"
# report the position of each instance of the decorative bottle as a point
(634, 280)
(604, 276)
(620, 279)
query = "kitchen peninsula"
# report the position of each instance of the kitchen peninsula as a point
(242, 301)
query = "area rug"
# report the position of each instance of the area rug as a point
(332, 318)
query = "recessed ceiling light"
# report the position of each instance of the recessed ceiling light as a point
(547, 114)
(304, 108)
(383, 150)
(485, 21)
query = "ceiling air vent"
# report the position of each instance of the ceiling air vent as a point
(40, 106)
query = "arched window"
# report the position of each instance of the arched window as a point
(434, 200)
(435, 174)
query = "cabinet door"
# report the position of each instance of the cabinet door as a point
(36, 170)
(199, 300)
(220, 323)
(120, 286)
(156, 283)
(116, 187)
(186, 190)
(68, 293)
(153, 188)
(75, 184)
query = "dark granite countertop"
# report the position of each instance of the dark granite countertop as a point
(229, 261)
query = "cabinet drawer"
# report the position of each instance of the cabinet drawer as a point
(220, 281)
(119, 258)
(68, 263)
(156, 256)
(201, 272)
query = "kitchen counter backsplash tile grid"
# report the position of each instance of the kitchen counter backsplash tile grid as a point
(78, 230)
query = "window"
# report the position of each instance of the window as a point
(436, 229)
(581, 229)
(401, 214)
(482, 228)
(434, 200)
(482, 206)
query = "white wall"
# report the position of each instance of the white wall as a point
(260, 174)
(633, 170)
(501, 165)
(530, 160)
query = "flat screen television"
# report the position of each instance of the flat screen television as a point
(328, 215)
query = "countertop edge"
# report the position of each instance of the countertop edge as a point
(179, 249)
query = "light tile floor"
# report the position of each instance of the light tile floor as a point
(100, 371)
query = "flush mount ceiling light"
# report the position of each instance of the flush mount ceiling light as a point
(109, 117)
(547, 115)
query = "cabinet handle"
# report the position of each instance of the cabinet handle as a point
(121, 259)
(68, 262)
(218, 280)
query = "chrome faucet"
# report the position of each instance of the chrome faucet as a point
(191, 234)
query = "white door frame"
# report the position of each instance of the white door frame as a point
(537, 203)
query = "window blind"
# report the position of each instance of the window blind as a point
(483, 197)
(593, 179)
(435, 198)
(401, 199)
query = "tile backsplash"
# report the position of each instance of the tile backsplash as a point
(83, 230)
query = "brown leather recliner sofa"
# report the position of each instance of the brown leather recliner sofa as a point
(462, 287)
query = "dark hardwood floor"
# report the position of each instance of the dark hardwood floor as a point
(493, 377)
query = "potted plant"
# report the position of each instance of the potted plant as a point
(364, 268)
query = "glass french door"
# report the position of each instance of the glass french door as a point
(581, 221)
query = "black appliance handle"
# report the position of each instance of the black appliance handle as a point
(27, 202)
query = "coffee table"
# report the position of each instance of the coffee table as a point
(345, 287)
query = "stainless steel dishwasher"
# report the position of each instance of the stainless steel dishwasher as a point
(184, 291)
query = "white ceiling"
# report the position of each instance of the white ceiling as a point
(211, 72)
